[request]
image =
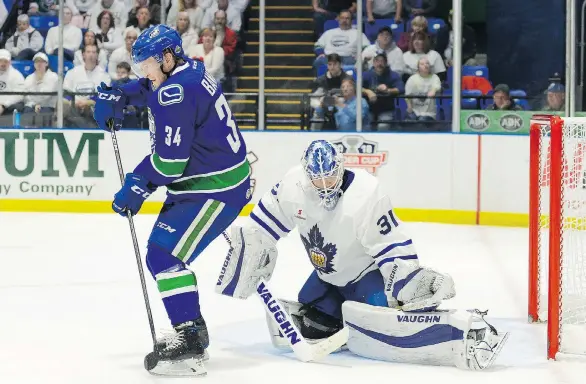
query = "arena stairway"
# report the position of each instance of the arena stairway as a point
(288, 71)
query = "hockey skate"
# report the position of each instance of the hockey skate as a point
(181, 354)
(483, 344)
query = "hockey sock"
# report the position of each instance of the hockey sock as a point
(177, 285)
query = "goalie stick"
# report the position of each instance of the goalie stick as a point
(304, 350)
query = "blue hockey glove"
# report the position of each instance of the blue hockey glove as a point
(109, 108)
(134, 192)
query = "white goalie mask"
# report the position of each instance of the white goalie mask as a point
(324, 168)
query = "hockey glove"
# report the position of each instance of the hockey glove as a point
(109, 108)
(134, 192)
(417, 289)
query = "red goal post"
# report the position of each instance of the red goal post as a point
(557, 231)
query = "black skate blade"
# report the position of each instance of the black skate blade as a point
(192, 367)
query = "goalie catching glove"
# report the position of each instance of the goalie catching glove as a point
(415, 289)
(252, 256)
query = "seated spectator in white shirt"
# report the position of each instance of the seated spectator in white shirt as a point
(84, 78)
(117, 8)
(233, 15)
(41, 80)
(239, 5)
(89, 38)
(426, 85)
(194, 8)
(142, 21)
(341, 40)
(11, 80)
(108, 37)
(384, 44)
(418, 48)
(33, 9)
(384, 9)
(211, 55)
(26, 41)
(71, 37)
(85, 5)
(122, 54)
(188, 35)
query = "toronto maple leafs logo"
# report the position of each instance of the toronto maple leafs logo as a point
(321, 255)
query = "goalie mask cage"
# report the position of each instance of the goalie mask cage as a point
(557, 231)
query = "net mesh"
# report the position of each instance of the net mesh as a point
(572, 295)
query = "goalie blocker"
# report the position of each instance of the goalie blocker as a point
(452, 337)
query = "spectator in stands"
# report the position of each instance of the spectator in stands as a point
(346, 115)
(445, 43)
(188, 35)
(108, 37)
(153, 7)
(384, 44)
(414, 8)
(384, 9)
(420, 47)
(502, 100)
(42, 80)
(131, 113)
(71, 37)
(85, 5)
(324, 10)
(26, 41)
(209, 53)
(381, 85)
(556, 98)
(418, 24)
(194, 8)
(325, 87)
(33, 9)
(89, 38)
(11, 80)
(123, 73)
(227, 39)
(51, 7)
(83, 79)
(142, 21)
(116, 7)
(122, 54)
(424, 85)
(234, 18)
(341, 40)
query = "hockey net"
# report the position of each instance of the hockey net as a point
(557, 226)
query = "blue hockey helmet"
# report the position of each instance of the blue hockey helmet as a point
(153, 42)
(324, 167)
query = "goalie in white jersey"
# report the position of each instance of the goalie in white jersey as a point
(363, 261)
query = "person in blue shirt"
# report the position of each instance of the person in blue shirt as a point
(346, 114)
(199, 155)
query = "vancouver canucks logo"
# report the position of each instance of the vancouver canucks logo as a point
(320, 254)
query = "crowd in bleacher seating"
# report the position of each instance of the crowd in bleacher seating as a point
(97, 40)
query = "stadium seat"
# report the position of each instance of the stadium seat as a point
(470, 98)
(475, 70)
(25, 67)
(54, 62)
(523, 103)
(43, 23)
(321, 70)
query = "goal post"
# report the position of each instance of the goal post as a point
(557, 231)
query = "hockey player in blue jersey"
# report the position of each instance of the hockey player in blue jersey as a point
(199, 155)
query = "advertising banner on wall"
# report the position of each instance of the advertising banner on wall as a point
(518, 122)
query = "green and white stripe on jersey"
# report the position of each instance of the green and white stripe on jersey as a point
(175, 283)
(197, 229)
(168, 167)
(212, 182)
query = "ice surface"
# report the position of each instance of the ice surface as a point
(71, 309)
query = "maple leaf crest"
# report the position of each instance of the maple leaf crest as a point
(321, 255)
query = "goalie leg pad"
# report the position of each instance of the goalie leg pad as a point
(429, 338)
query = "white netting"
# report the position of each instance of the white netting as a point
(572, 295)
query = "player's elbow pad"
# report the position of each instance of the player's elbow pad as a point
(252, 257)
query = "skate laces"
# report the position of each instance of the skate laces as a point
(173, 341)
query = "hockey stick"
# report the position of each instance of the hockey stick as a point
(134, 238)
(304, 350)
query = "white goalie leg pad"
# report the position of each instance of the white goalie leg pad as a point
(252, 256)
(428, 338)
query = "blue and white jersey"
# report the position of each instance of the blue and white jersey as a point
(197, 150)
(360, 235)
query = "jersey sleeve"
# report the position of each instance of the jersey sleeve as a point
(270, 215)
(173, 136)
(383, 235)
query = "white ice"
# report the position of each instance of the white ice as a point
(71, 308)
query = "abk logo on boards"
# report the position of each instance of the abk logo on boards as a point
(361, 153)
(49, 163)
